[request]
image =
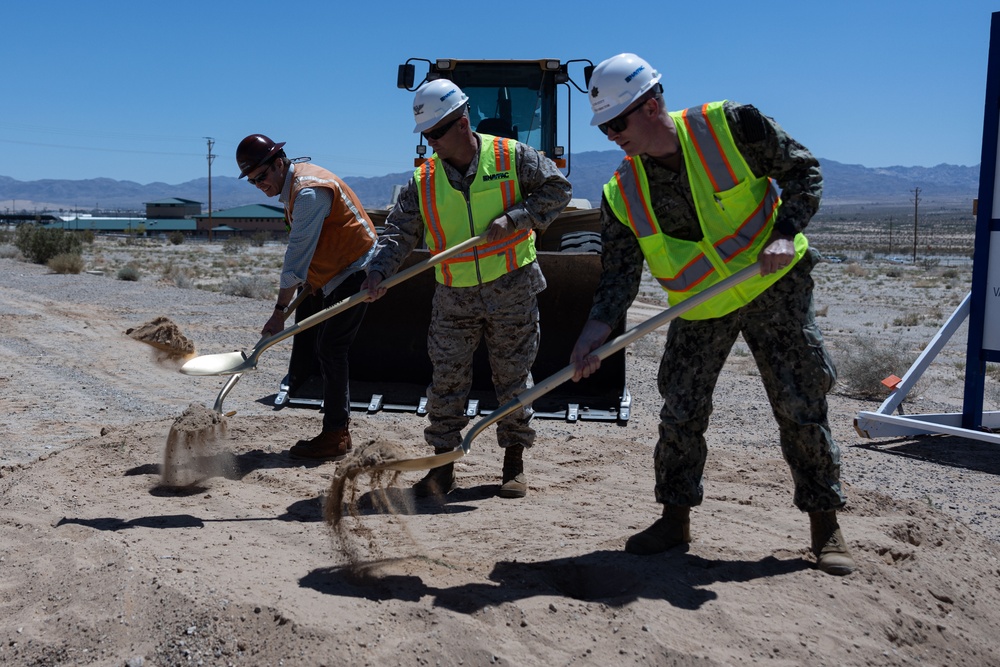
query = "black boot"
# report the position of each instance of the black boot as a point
(438, 481)
(514, 484)
(669, 531)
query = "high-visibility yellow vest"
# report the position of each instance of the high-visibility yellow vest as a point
(736, 212)
(450, 218)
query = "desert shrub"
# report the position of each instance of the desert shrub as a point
(183, 280)
(129, 272)
(253, 287)
(235, 245)
(87, 236)
(176, 237)
(259, 239)
(866, 361)
(907, 320)
(180, 277)
(992, 371)
(66, 262)
(8, 251)
(856, 271)
(929, 262)
(40, 244)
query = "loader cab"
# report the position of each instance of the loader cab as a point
(512, 98)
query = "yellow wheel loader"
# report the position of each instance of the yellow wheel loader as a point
(389, 366)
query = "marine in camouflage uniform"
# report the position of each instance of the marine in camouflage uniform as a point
(504, 311)
(778, 326)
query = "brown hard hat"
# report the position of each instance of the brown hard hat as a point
(254, 151)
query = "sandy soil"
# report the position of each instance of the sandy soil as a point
(102, 566)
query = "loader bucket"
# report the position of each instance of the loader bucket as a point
(390, 368)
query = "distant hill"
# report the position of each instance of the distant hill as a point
(843, 183)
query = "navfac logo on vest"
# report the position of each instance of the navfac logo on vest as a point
(497, 176)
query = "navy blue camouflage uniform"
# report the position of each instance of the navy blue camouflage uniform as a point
(779, 326)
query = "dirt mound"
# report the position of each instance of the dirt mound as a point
(164, 335)
(192, 453)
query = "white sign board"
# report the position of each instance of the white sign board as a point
(991, 321)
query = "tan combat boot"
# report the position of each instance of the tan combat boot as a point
(514, 484)
(673, 529)
(828, 544)
(438, 481)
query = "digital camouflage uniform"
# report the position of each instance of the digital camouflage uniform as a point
(778, 326)
(504, 311)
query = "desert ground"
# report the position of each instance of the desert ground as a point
(103, 565)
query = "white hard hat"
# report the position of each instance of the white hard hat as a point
(616, 83)
(435, 100)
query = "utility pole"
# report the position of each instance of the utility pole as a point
(916, 203)
(211, 142)
(890, 236)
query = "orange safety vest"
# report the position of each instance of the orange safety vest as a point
(348, 232)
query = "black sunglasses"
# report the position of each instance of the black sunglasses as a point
(620, 122)
(261, 176)
(434, 135)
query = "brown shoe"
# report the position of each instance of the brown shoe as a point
(828, 544)
(672, 530)
(513, 483)
(327, 446)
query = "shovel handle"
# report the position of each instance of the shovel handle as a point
(529, 395)
(304, 292)
(361, 296)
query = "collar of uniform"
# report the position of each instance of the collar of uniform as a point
(286, 189)
(470, 174)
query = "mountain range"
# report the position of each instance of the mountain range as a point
(843, 183)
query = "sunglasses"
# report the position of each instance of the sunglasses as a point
(619, 123)
(261, 176)
(434, 135)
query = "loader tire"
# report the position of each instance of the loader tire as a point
(585, 242)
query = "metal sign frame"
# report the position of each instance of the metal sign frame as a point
(981, 306)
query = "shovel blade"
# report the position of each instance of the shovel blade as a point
(424, 462)
(227, 363)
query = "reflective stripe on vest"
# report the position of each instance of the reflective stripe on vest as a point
(450, 219)
(736, 212)
(347, 232)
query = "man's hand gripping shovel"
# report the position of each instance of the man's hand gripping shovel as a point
(526, 397)
(236, 363)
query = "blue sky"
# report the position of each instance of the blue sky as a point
(130, 90)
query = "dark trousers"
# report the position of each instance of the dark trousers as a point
(333, 343)
(779, 327)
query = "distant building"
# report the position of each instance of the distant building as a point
(172, 208)
(100, 225)
(243, 220)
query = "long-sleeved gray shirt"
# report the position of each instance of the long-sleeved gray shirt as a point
(544, 189)
(768, 151)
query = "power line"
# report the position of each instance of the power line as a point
(94, 148)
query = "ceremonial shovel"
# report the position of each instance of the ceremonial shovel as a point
(527, 396)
